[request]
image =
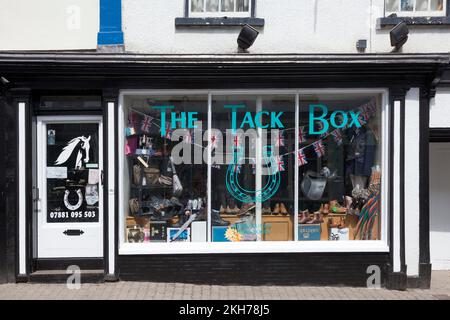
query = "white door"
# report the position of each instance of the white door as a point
(70, 215)
(440, 205)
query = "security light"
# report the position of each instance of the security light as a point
(246, 37)
(399, 35)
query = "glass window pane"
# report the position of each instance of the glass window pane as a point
(278, 208)
(212, 5)
(166, 176)
(422, 5)
(242, 5)
(407, 5)
(197, 5)
(437, 5)
(392, 5)
(233, 171)
(228, 5)
(340, 169)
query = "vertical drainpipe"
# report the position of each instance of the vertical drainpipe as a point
(110, 36)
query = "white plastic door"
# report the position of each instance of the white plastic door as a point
(70, 210)
(440, 205)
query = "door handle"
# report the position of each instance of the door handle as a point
(73, 232)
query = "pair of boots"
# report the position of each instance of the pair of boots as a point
(228, 210)
(306, 217)
(280, 208)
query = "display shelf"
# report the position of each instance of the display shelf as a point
(154, 187)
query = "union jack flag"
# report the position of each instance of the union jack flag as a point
(236, 141)
(168, 131)
(280, 163)
(319, 148)
(337, 136)
(280, 139)
(301, 158)
(301, 135)
(146, 123)
(213, 141)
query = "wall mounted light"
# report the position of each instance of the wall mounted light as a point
(247, 37)
(361, 45)
(399, 35)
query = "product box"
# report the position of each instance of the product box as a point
(158, 231)
(218, 234)
(337, 234)
(185, 236)
(309, 232)
(198, 231)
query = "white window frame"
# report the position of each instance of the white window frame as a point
(381, 245)
(414, 13)
(220, 13)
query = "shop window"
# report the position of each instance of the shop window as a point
(266, 169)
(340, 167)
(165, 200)
(414, 8)
(219, 8)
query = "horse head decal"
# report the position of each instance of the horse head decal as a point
(80, 143)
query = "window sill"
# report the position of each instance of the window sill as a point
(253, 247)
(218, 22)
(418, 21)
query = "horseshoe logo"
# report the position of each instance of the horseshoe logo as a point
(245, 195)
(75, 206)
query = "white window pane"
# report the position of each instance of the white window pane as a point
(242, 5)
(437, 5)
(422, 5)
(228, 5)
(407, 5)
(392, 5)
(197, 5)
(212, 5)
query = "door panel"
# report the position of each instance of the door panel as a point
(440, 205)
(70, 215)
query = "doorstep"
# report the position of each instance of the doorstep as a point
(60, 276)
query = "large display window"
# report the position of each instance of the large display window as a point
(255, 170)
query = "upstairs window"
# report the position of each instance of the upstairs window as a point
(416, 8)
(220, 8)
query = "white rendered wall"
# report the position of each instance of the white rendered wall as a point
(440, 109)
(412, 201)
(291, 26)
(48, 24)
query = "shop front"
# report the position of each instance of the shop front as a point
(221, 169)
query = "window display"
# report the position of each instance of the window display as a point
(340, 167)
(166, 198)
(283, 167)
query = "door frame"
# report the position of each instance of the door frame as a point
(438, 135)
(63, 262)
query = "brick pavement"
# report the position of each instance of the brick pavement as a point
(440, 290)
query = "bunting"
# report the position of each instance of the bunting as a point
(146, 123)
(279, 142)
(301, 158)
(337, 135)
(319, 148)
